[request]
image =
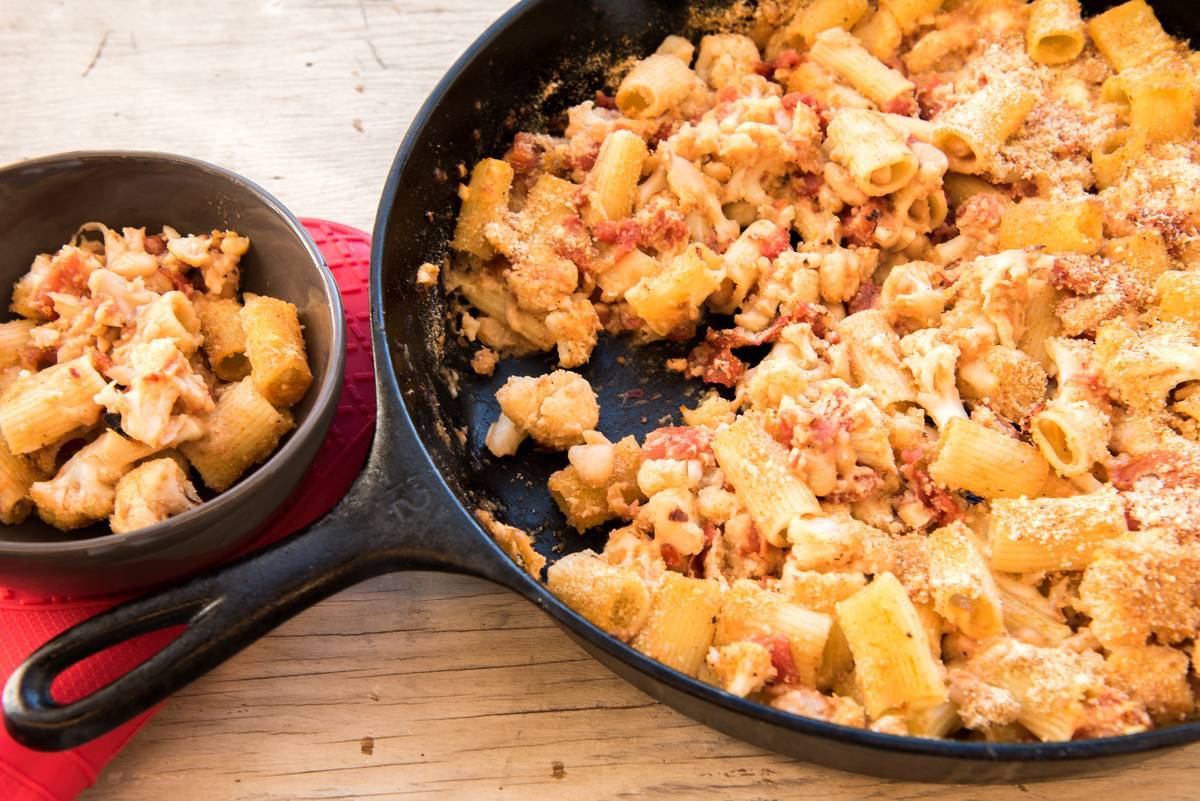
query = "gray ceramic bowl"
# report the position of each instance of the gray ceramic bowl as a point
(42, 203)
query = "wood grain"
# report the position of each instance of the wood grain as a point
(413, 686)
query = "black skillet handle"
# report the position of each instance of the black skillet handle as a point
(398, 515)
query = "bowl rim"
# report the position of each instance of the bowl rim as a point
(327, 393)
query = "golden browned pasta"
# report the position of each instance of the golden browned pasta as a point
(485, 198)
(275, 349)
(41, 408)
(224, 339)
(681, 623)
(241, 431)
(16, 476)
(1055, 34)
(613, 598)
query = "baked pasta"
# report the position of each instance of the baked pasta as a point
(133, 359)
(959, 495)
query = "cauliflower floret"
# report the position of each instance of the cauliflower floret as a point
(150, 494)
(125, 254)
(191, 250)
(725, 57)
(117, 299)
(997, 287)
(84, 489)
(812, 704)
(1154, 675)
(673, 514)
(932, 359)
(555, 409)
(574, 325)
(1010, 380)
(908, 295)
(161, 378)
(838, 543)
(741, 668)
(1141, 584)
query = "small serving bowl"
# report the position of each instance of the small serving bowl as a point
(42, 204)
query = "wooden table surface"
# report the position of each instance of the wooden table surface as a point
(411, 686)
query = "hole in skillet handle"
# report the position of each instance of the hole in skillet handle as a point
(224, 610)
(35, 719)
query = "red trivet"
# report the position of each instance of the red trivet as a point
(26, 622)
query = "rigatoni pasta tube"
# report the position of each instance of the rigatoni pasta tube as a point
(874, 350)
(614, 178)
(1113, 155)
(275, 348)
(654, 86)
(1162, 105)
(1179, 296)
(1030, 616)
(910, 13)
(681, 623)
(1041, 323)
(1055, 33)
(672, 298)
(1059, 226)
(971, 133)
(14, 337)
(757, 467)
(978, 459)
(16, 475)
(1072, 435)
(959, 188)
(485, 199)
(1129, 35)
(224, 339)
(963, 590)
(241, 431)
(842, 54)
(613, 598)
(821, 15)
(1033, 534)
(874, 154)
(879, 33)
(42, 408)
(749, 612)
(893, 666)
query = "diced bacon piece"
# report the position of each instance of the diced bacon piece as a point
(771, 246)
(781, 657)
(678, 442)
(867, 297)
(928, 492)
(859, 223)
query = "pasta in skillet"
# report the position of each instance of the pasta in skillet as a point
(960, 494)
(132, 361)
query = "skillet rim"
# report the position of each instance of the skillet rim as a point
(503, 570)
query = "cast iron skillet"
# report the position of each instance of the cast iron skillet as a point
(412, 507)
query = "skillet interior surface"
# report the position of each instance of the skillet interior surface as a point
(411, 507)
(504, 88)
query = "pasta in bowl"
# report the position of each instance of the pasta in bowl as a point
(144, 338)
(957, 495)
(160, 321)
